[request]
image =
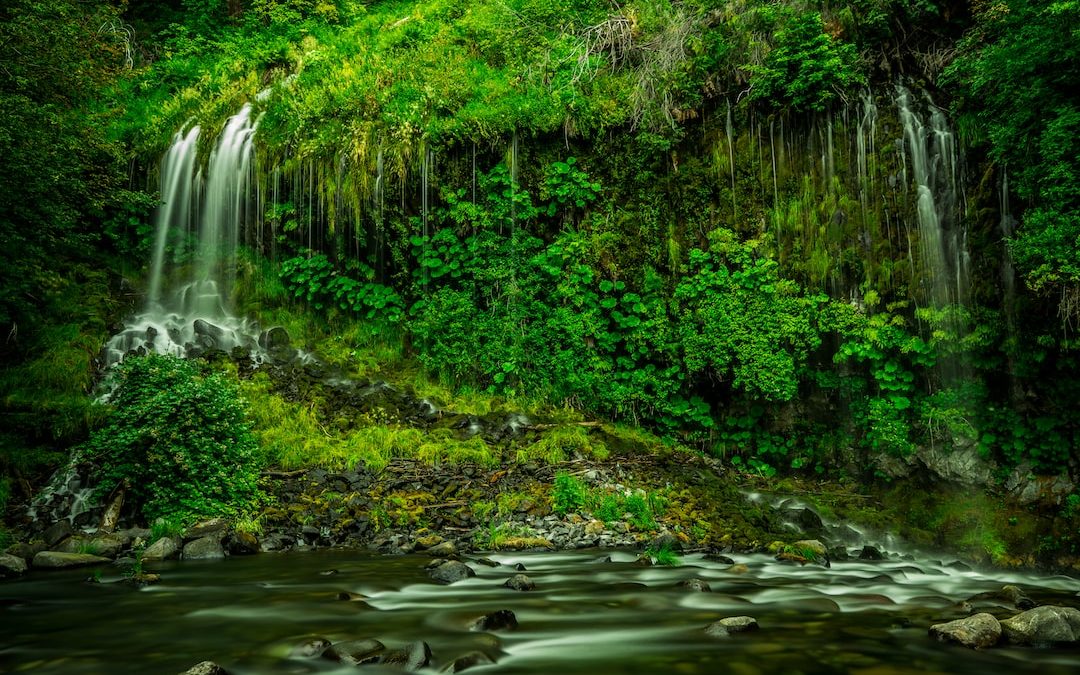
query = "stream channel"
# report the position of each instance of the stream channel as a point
(586, 615)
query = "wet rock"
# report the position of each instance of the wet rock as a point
(451, 572)
(643, 560)
(444, 550)
(215, 527)
(696, 585)
(355, 652)
(242, 542)
(977, 631)
(165, 548)
(520, 582)
(26, 551)
(467, 661)
(487, 562)
(1017, 597)
(718, 558)
(803, 518)
(668, 541)
(351, 597)
(603, 559)
(207, 548)
(312, 648)
(411, 658)
(424, 543)
(519, 567)
(732, 625)
(107, 546)
(503, 619)
(1047, 625)
(738, 569)
(55, 560)
(871, 553)
(56, 533)
(205, 668)
(143, 579)
(11, 566)
(838, 553)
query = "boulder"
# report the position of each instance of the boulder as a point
(205, 668)
(206, 548)
(242, 542)
(312, 648)
(426, 542)
(697, 585)
(732, 625)
(215, 527)
(411, 658)
(977, 631)
(26, 551)
(503, 619)
(355, 652)
(520, 582)
(668, 541)
(165, 548)
(805, 519)
(1017, 597)
(718, 558)
(56, 560)
(108, 546)
(1047, 625)
(11, 566)
(467, 661)
(56, 533)
(444, 549)
(451, 572)
(519, 567)
(871, 553)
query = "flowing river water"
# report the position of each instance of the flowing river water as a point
(586, 615)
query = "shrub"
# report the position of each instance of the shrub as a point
(177, 438)
(569, 493)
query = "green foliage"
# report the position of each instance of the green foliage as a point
(177, 438)
(165, 527)
(314, 279)
(568, 188)
(568, 494)
(807, 69)
(663, 555)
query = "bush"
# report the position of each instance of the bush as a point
(177, 438)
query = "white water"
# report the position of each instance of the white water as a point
(195, 313)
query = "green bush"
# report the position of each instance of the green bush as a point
(177, 437)
(568, 494)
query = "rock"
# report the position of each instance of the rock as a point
(716, 557)
(56, 533)
(445, 549)
(732, 625)
(870, 553)
(1017, 597)
(668, 541)
(207, 528)
(144, 579)
(165, 548)
(643, 560)
(957, 463)
(602, 559)
(242, 542)
(55, 560)
(107, 546)
(838, 553)
(805, 519)
(413, 657)
(739, 569)
(351, 597)
(503, 619)
(206, 548)
(424, 543)
(312, 648)
(355, 652)
(205, 668)
(519, 567)
(274, 338)
(813, 546)
(451, 572)
(11, 566)
(467, 661)
(520, 582)
(977, 631)
(487, 562)
(593, 528)
(697, 585)
(26, 551)
(1047, 625)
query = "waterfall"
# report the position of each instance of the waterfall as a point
(930, 151)
(194, 318)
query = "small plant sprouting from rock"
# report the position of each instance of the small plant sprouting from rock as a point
(663, 555)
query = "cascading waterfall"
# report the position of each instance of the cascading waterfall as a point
(194, 317)
(930, 151)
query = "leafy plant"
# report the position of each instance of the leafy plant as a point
(177, 438)
(568, 493)
(663, 555)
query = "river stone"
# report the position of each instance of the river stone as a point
(668, 541)
(165, 548)
(467, 661)
(205, 668)
(11, 566)
(804, 518)
(870, 553)
(698, 585)
(731, 625)
(242, 542)
(424, 543)
(413, 657)
(207, 548)
(1017, 597)
(56, 533)
(108, 545)
(445, 549)
(213, 527)
(55, 560)
(355, 652)
(26, 551)
(487, 562)
(503, 619)
(1047, 625)
(520, 582)
(519, 567)
(718, 558)
(312, 648)
(451, 571)
(976, 631)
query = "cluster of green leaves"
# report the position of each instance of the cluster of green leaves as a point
(177, 439)
(316, 280)
(569, 494)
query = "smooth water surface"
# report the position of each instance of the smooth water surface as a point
(584, 616)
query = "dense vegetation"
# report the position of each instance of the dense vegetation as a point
(651, 212)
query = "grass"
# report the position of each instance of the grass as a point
(509, 536)
(663, 555)
(562, 443)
